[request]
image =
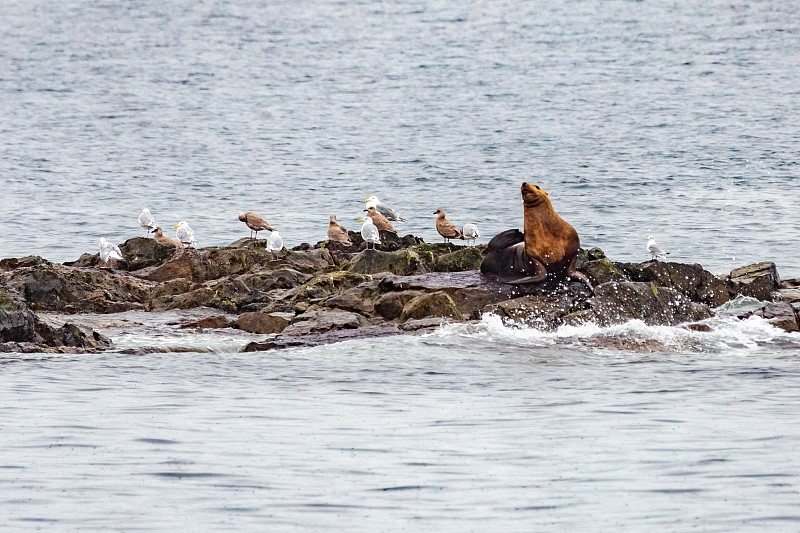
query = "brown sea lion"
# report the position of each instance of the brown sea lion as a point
(549, 245)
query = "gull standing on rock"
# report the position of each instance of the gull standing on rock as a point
(274, 244)
(655, 250)
(338, 233)
(383, 209)
(147, 221)
(470, 232)
(380, 221)
(185, 234)
(446, 229)
(166, 241)
(109, 251)
(255, 223)
(370, 233)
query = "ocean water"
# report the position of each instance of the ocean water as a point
(638, 118)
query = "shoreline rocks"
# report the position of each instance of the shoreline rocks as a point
(329, 292)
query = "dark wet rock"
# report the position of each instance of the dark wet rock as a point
(54, 287)
(390, 305)
(435, 304)
(419, 324)
(17, 321)
(539, 311)
(465, 258)
(789, 295)
(140, 252)
(316, 289)
(759, 281)
(264, 323)
(210, 322)
(779, 314)
(72, 335)
(791, 283)
(359, 299)
(13, 263)
(692, 281)
(282, 341)
(323, 321)
(698, 326)
(402, 262)
(602, 270)
(579, 318)
(618, 302)
(309, 261)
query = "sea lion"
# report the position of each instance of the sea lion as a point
(548, 248)
(446, 229)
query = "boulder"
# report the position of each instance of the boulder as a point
(435, 304)
(283, 341)
(540, 311)
(359, 299)
(12, 263)
(602, 270)
(692, 281)
(264, 323)
(316, 289)
(401, 262)
(310, 261)
(618, 302)
(759, 281)
(780, 314)
(465, 258)
(210, 322)
(71, 335)
(141, 252)
(390, 305)
(16, 320)
(323, 321)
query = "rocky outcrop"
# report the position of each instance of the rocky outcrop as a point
(759, 281)
(692, 281)
(781, 315)
(617, 302)
(264, 323)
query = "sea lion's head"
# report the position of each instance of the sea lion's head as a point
(533, 195)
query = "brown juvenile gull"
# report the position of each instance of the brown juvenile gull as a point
(337, 233)
(255, 223)
(380, 221)
(166, 241)
(446, 229)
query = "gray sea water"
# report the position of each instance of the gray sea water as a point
(654, 117)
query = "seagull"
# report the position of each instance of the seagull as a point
(337, 233)
(185, 234)
(147, 221)
(655, 250)
(446, 229)
(470, 232)
(166, 241)
(109, 251)
(380, 221)
(383, 209)
(274, 243)
(370, 233)
(255, 223)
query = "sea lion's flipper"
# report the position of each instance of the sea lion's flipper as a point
(539, 270)
(505, 239)
(573, 273)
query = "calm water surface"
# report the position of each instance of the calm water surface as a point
(637, 117)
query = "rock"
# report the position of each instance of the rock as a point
(358, 299)
(692, 281)
(618, 302)
(323, 321)
(539, 311)
(390, 305)
(71, 335)
(187, 264)
(435, 304)
(466, 258)
(758, 281)
(789, 295)
(54, 287)
(792, 283)
(312, 260)
(141, 252)
(780, 314)
(210, 322)
(12, 263)
(16, 319)
(315, 339)
(401, 262)
(602, 270)
(316, 289)
(698, 326)
(579, 318)
(264, 323)
(429, 323)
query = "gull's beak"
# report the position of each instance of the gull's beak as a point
(361, 220)
(366, 200)
(176, 225)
